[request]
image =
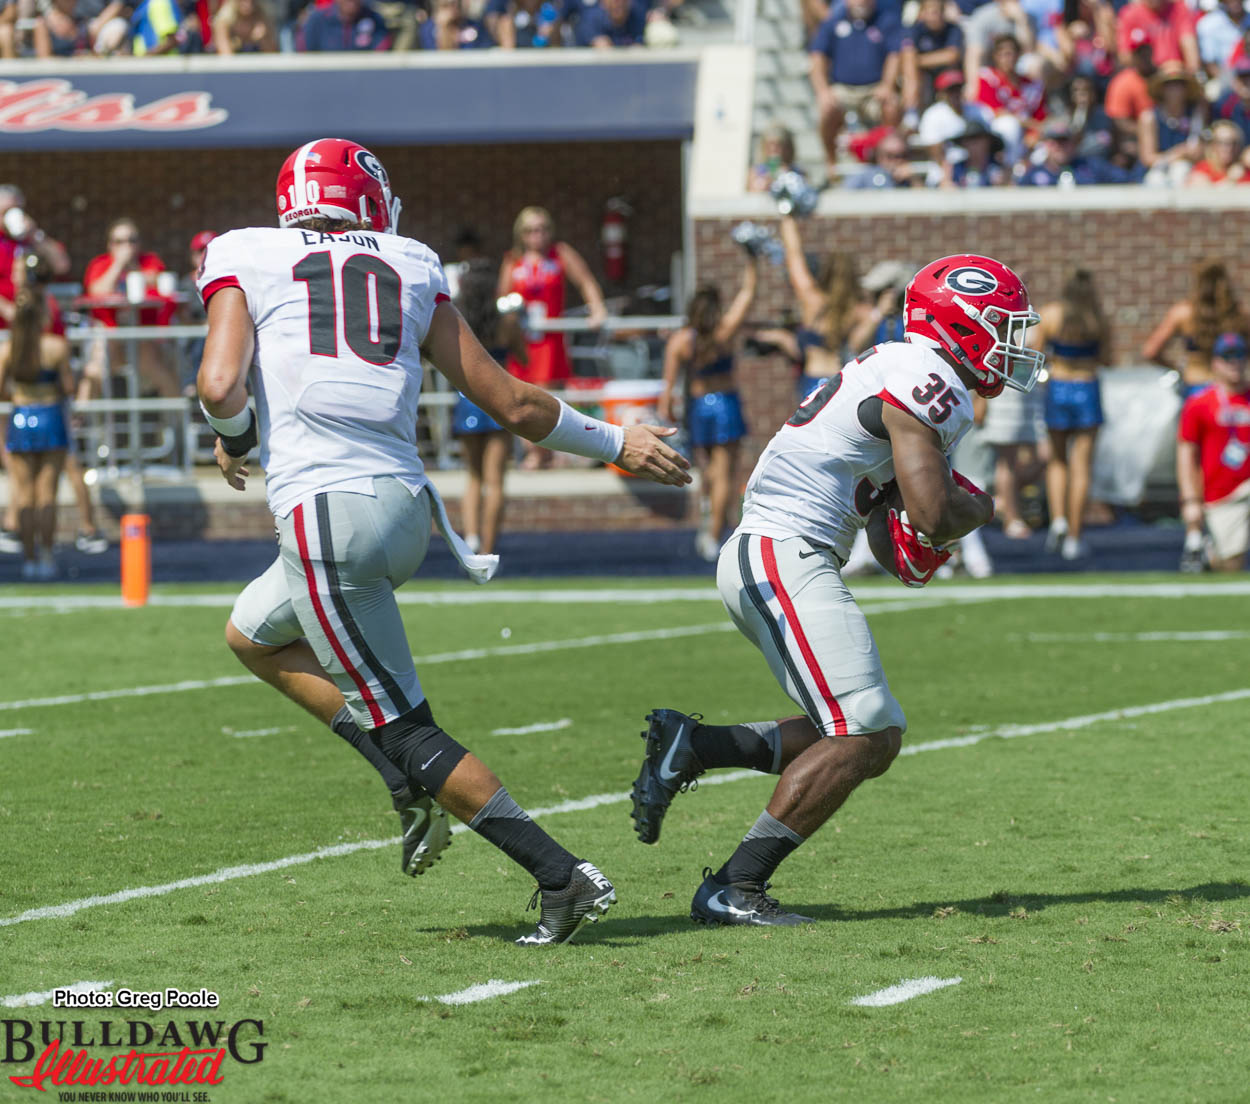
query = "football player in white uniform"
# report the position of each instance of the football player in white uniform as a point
(874, 437)
(329, 315)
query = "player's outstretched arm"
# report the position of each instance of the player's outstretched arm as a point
(530, 412)
(222, 382)
(936, 505)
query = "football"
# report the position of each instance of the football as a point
(878, 527)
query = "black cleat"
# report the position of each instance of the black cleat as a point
(670, 767)
(92, 544)
(426, 831)
(1194, 561)
(586, 898)
(739, 904)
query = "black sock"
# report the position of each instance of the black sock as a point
(502, 821)
(760, 853)
(756, 745)
(345, 726)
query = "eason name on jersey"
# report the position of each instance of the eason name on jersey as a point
(319, 237)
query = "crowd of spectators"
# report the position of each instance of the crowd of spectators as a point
(1037, 93)
(74, 28)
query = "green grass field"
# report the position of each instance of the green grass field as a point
(1085, 876)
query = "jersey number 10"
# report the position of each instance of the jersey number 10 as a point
(373, 319)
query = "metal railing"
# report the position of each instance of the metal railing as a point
(123, 435)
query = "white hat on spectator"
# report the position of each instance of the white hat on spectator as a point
(660, 34)
(111, 37)
(886, 274)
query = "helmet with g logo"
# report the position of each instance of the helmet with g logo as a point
(977, 309)
(336, 178)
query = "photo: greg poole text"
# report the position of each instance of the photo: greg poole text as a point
(154, 999)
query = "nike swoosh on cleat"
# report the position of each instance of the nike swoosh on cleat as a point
(426, 764)
(716, 903)
(665, 768)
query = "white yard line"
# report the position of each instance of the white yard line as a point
(16, 732)
(29, 1000)
(864, 590)
(453, 596)
(485, 991)
(534, 648)
(246, 733)
(541, 726)
(1196, 636)
(905, 990)
(131, 692)
(1009, 732)
(248, 870)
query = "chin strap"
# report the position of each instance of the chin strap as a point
(991, 388)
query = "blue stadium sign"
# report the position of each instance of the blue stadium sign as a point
(204, 105)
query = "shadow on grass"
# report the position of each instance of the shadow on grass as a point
(1004, 902)
(624, 930)
(607, 933)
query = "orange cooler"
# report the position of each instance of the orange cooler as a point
(630, 402)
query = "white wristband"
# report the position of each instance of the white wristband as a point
(584, 436)
(234, 426)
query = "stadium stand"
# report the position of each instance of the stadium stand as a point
(655, 141)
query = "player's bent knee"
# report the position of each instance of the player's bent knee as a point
(873, 709)
(885, 748)
(237, 642)
(422, 750)
(245, 648)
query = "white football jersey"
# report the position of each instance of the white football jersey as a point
(816, 477)
(339, 319)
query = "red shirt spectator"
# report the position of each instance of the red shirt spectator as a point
(1221, 163)
(1128, 95)
(29, 236)
(1004, 92)
(536, 268)
(8, 256)
(1217, 421)
(1170, 26)
(106, 275)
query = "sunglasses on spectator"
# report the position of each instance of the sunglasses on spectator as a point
(539, 228)
(123, 240)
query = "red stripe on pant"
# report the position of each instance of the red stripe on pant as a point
(374, 710)
(809, 657)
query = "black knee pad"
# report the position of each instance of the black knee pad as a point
(419, 748)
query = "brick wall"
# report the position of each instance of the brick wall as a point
(174, 194)
(1141, 256)
(186, 513)
(1141, 259)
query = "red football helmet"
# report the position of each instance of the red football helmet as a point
(336, 179)
(978, 310)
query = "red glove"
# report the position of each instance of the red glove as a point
(916, 559)
(967, 484)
